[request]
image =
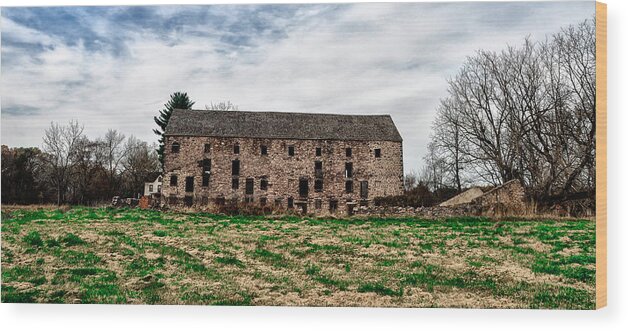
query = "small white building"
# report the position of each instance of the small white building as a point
(153, 187)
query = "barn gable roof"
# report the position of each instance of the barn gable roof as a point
(280, 125)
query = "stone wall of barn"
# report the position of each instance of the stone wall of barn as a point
(509, 198)
(372, 175)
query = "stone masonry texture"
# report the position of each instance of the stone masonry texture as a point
(287, 177)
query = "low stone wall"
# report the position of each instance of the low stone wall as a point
(427, 212)
(509, 198)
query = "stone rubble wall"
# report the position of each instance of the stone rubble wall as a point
(384, 174)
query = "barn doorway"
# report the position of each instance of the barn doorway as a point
(303, 187)
(189, 184)
(364, 189)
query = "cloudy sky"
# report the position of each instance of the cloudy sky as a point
(114, 67)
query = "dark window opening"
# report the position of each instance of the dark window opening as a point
(249, 186)
(172, 200)
(173, 180)
(378, 152)
(248, 199)
(318, 169)
(318, 204)
(235, 168)
(263, 184)
(278, 202)
(303, 187)
(220, 201)
(236, 149)
(189, 184)
(349, 186)
(290, 202)
(291, 150)
(263, 201)
(333, 205)
(187, 201)
(205, 180)
(264, 150)
(364, 189)
(349, 152)
(175, 147)
(204, 201)
(318, 185)
(207, 168)
(208, 148)
(235, 183)
(319, 151)
(348, 169)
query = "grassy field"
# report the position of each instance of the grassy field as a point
(132, 256)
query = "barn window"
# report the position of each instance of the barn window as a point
(319, 151)
(264, 150)
(278, 202)
(303, 187)
(290, 202)
(318, 185)
(236, 149)
(291, 150)
(235, 183)
(220, 201)
(249, 186)
(187, 201)
(172, 199)
(159, 188)
(189, 184)
(318, 203)
(364, 189)
(349, 169)
(349, 186)
(263, 201)
(349, 152)
(235, 168)
(378, 152)
(208, 148)
(175, 147)
(207, 166)
(318, 169)
(263, 184)
(173, 180)
(333, 205)
(150, 188)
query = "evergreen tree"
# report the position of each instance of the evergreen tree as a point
(178, 100)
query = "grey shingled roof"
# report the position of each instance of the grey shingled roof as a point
(247, 124)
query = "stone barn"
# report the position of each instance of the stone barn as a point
(313, 163)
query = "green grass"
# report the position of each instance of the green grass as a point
(108, 255)
(33, 238)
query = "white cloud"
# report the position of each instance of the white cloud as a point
(365, 58)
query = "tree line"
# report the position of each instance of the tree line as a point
(71, 168)
(525, 113)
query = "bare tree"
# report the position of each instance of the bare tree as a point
(221, 106)
(60, 145)
(140, 161)
(410, 181)
(525, 113)
(110, 154)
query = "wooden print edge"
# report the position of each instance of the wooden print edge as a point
(600, 158)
